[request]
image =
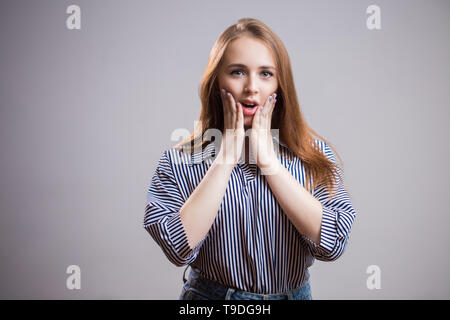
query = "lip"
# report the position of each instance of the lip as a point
(249, 101)
(249, 112)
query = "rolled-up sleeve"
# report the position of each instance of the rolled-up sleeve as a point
(338, 215)
(162, 215)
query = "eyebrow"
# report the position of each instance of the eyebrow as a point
(244, 66)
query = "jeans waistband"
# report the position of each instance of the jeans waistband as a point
(220, 291)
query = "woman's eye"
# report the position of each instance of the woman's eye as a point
(234, 71)
(267, 73)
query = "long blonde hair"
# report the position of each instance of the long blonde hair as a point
(287, 116)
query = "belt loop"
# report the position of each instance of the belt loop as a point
(230, 291)
(184, 274)
(290, 295)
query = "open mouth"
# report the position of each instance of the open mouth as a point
(249, 109)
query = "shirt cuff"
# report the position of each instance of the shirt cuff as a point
(178, 238)
(327, 232)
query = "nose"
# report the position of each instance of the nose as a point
(251, 86)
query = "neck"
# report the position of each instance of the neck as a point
(247, 149)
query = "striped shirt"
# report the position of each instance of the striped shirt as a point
(251, 245)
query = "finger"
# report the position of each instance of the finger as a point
(228, 113)
(268, 109)
(240, 117)
(270, 103)
(224, 101)
(274, 102)
(256, 123)
(225, 109)
(232, 105)
(223, 95)
(266, 105)
(231, 102)
(265, 110)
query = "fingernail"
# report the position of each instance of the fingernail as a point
(274, 95)
(223, 91)
(270, 99)
(228, 94)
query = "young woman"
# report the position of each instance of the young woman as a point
(250, 212)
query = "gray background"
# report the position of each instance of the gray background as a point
(86, 114)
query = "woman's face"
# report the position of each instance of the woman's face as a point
(248, 73)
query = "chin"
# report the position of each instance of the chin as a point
(248, 120)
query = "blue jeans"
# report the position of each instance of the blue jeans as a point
(197, 287)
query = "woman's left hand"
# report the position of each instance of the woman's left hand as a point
(261, 138)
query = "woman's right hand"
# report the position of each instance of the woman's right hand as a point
(233, 134)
